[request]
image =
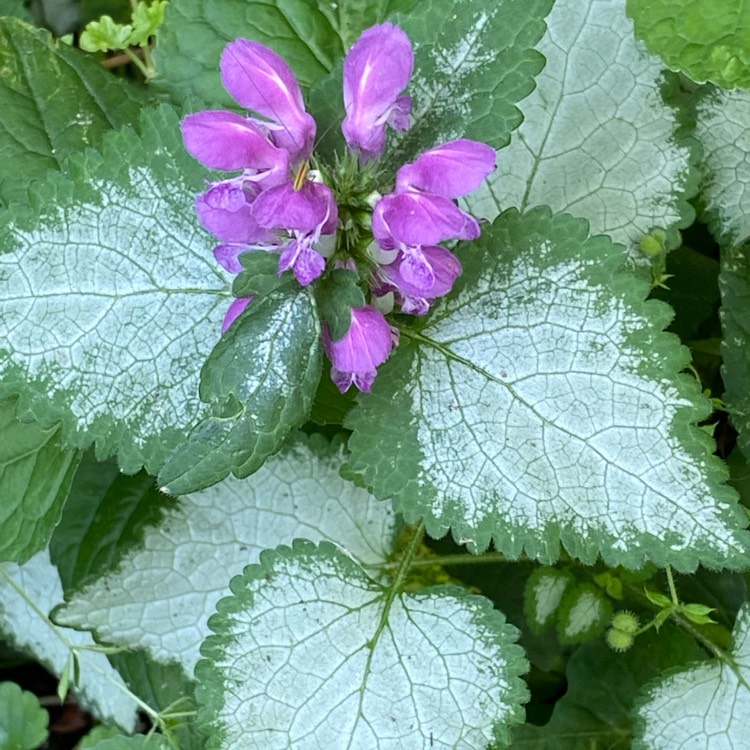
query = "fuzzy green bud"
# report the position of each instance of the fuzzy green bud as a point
(626, 622)
(618, 640)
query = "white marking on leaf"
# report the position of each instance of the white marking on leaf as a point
(596, 140)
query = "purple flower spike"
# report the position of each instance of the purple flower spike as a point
(260, 80)
(224, 140)
(376, 70)
(454, 169)
(366, 345)
(420, 219)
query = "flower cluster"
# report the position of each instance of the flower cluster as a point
(279, 204)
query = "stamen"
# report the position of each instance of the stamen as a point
(300, 175)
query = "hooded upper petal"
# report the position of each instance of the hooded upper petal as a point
(260, 80)
(419, 219)
(225, 140)
(376, 70)
(308, 209)
(454, 169)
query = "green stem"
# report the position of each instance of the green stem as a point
(672, 589)
(74, 649)
(445, 560)
(138, 63)
(707, 643)
(148, 58)
(404, 565)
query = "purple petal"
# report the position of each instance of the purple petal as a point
(260, 80)
(400, 118)
(226, 210)
(224, 140)
(376, 70)
(228, 255)
(417, 272)
(306, 264)
(419, 219)
(366, 344)
(445, 267)
(451, 170)
(304, 210)
(235, 310)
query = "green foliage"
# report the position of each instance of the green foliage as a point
(260, 380)
(337, 296)
(705, 703)
(706, 41)
(602, 687)
(114, 298)
(54, 101)
(388, 641)
(542, 596)
(627, 169)
(35, 477)
(23, 722)
(584, 613)
(465, 381)
(105, 34)
(473, 64)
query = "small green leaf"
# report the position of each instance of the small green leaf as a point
(105, 34)
(623, 166)
(191, 554)
(707, 42)
(260, 275)
(35, 478)
(658, 599)
(584, 614)
(23, 722)
(542, 596)
(697, 613)
(309, 650)
(54, 101)
(703, 705)
(147, 18)
(63, 684)
(260, 380)
(336, 296)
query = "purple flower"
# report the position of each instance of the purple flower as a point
(454, 169)
(276, 204)
(437, 270)
(226, 210)
(227, 141)
(307, 214)
(376, 70)
(366, 345)
(261, 81)
(413, 218)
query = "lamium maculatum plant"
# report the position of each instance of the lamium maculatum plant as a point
(377, 376)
